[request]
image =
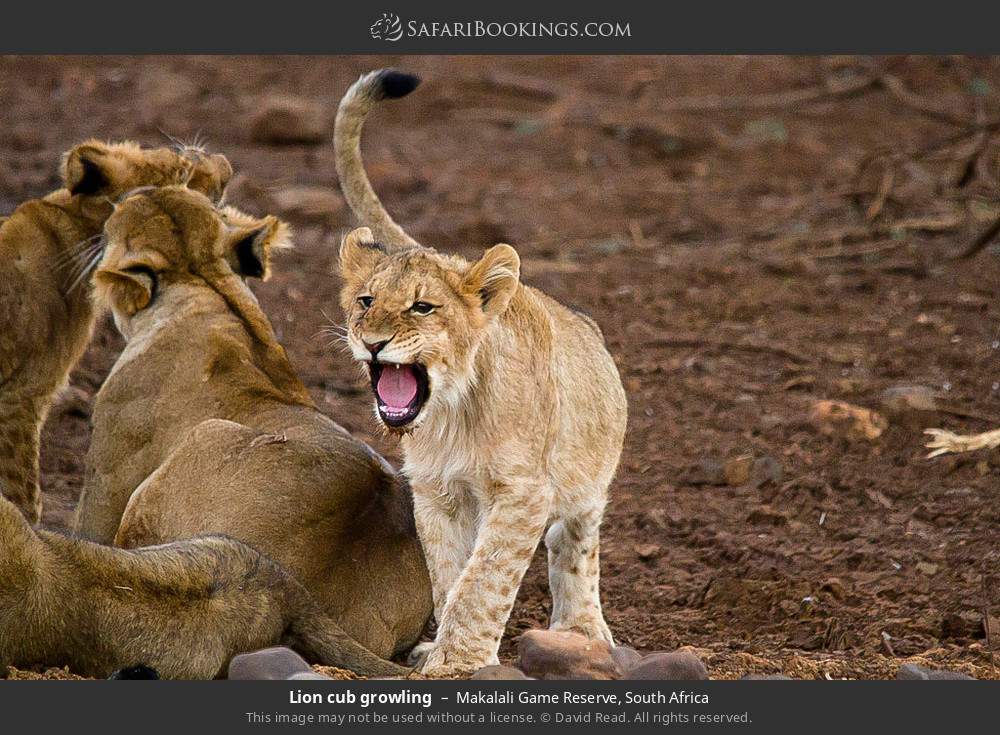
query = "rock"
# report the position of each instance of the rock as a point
(840, 419)
(737, 470)
(647, 551)
(499, 673)
(307, 676)
(910, 406)
(766, 471)
(673, 666)
(284, 120)
(269, 664)
(314, 203)
(625, 657)
(708, 471)
(915, 672)
(765, 677)
(927, 567)
(557, 654)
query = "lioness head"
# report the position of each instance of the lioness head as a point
(160, 237)
(416, 318)
(110, 170)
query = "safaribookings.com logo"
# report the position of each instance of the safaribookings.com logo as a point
(390, 28)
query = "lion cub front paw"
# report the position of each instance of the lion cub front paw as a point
(442, 662)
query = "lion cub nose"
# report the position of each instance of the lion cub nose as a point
(375, 347)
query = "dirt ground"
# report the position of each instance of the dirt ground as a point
(747, 253)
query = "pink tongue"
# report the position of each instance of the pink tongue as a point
(397, 386)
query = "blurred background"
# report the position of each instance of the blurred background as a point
(790, 257)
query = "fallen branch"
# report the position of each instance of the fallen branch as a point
(948, 442)
(829, 89)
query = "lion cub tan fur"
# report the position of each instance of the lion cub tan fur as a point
(184, 609)
(515, 420)
(204, 427)
(47, 248)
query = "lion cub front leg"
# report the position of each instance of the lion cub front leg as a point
(477, 608)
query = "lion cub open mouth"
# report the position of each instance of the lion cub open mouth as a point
(400, 391)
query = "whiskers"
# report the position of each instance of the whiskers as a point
(79, 261)
(335, 336)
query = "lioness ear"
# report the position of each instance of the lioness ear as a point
(89, 169)
(494, 278)
(127, 291)
(250, 247)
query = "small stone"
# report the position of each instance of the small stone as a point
(765, 677)
(558, 654)
(915, 672)
(766, 471)
(708, 471)
(928, 568)
(647, 551)
(269, 664)
(499, 673)
(663, 666)
(911, 406)
(284, 120)
(625, 657)
(840, 419)
(737, 470)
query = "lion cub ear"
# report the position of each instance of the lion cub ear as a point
(249, 247)
(494, 278)
(91, 169)
(359, 254)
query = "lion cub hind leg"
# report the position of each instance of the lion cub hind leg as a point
(20, 427)
(320, 639)
(573, 544)
(479, 604)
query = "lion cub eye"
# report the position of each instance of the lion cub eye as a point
(366, 301)
(422, 308)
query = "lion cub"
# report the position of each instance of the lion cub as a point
(48, 248)
(510, 410)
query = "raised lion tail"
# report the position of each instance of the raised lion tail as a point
(372, 87)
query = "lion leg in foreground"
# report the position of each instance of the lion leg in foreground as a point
(184, 609)
(947, 442)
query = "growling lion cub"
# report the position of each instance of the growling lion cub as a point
(184, 608)
(510, 409)
(203, 426)
(47, 248)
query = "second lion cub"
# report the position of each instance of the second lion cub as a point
(510, 408)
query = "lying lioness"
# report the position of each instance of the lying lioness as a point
(203, 426)
(184, 609)
(48, 247)
(509, 407)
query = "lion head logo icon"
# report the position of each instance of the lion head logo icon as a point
(387, 28)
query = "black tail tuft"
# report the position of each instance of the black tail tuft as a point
(139, 672)
(392, 84)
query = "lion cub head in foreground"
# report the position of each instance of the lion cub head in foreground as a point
(416, 318)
